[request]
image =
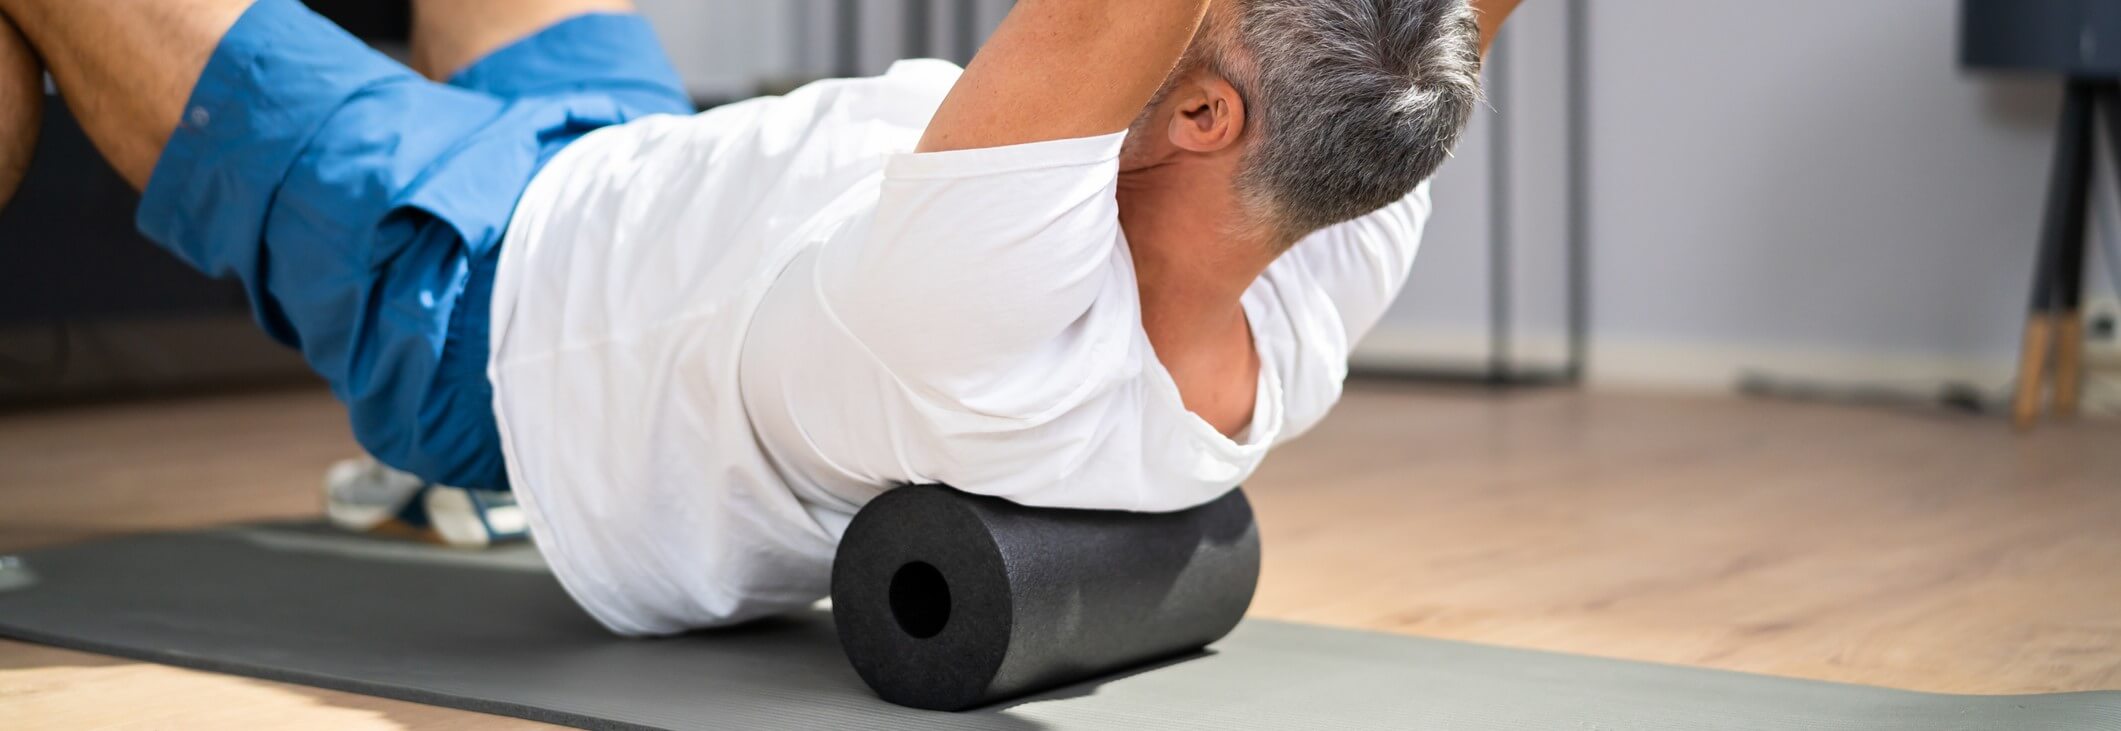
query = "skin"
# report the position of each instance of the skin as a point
(1492, 13)
(21, 106)
(1176, 193)
(448, 35)
(125, 68)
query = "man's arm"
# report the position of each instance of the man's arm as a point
(1057, 69)
(1492, 13)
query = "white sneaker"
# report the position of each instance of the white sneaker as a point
(362, 495)
(475, 518)
(366, 496)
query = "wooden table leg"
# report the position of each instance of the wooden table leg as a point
(2069, 362)
(2032, 366)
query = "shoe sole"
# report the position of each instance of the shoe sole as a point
(350, 516)
(455, 518)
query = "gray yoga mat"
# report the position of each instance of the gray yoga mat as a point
(491, 631)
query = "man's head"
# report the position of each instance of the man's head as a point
(1315, 111)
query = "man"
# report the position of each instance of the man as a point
(1107, 265)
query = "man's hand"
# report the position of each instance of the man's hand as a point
(1064, 68)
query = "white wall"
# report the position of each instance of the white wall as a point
(726, 48)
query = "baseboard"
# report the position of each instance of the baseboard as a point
(1682, 365)
(1619, 363)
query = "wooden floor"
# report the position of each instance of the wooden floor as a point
(1903, 549)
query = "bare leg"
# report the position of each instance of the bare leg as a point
(126, 67)
(21, 107)
(448, 35)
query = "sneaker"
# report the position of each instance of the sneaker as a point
(363, 496)
(475, 518)
(366, 496)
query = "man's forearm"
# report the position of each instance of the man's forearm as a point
(1064, 68)
(1492, 13)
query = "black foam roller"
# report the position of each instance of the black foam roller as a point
(948, 601)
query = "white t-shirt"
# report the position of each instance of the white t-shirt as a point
(715, 337)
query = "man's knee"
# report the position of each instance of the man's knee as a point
(125, 67)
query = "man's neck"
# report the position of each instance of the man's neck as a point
(1192, 274)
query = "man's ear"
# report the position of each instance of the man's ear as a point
(1207, 116)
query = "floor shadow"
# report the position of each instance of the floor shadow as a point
(1951, 402)
(1087, 688)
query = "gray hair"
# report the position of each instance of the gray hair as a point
(1350, 103)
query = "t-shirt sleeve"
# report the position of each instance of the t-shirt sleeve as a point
(1327, 293)
(1360, 265)
(975, 262)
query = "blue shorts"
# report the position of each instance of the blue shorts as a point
(362, 205)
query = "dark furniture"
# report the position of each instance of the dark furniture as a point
(68, 250)
(2080, 42)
